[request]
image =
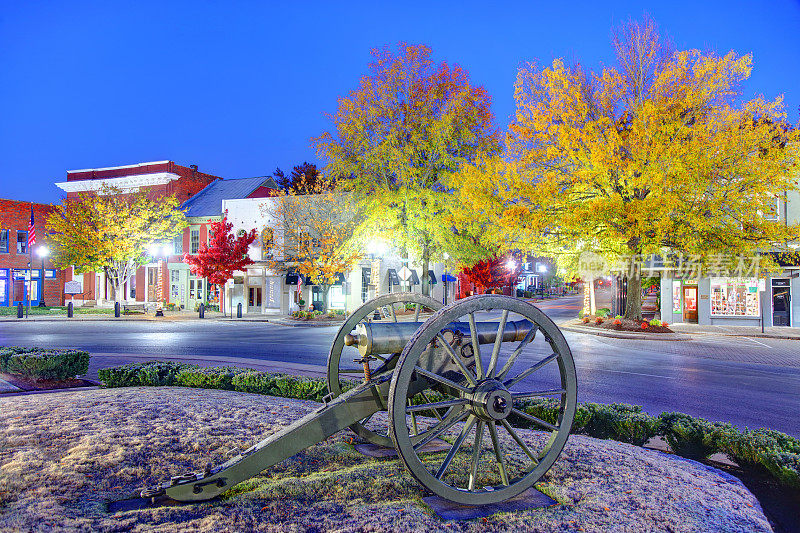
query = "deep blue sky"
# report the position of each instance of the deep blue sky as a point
(239, 88)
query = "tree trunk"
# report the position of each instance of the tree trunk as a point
(633, 301)
(426, 259)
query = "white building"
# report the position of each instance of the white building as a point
(261, 290)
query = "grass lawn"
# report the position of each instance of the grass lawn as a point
(56, 310)
(65, 455)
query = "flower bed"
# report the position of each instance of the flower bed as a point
(623, 324)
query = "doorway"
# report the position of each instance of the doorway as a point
(152, 284)
(780, 302)
(690, 303)
(254, 300)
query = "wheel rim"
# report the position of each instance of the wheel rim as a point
(388, 306)
(487, 395)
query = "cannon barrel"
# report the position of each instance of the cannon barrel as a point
(391, 337)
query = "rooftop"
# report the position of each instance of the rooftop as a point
(208, 202)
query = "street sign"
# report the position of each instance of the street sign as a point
(404, 273)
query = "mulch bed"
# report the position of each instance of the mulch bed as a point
(627, 325)
(28, 384)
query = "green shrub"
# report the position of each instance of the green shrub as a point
(39, 364)
(619, 421)
(207, 377)
(603, 312)
(766, 451)
(580, 313)
(618, 317)
(280, 385)
(695, 438)
(151, 373)
(655, 322)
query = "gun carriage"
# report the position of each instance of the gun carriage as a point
(462, 374)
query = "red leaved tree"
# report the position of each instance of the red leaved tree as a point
(223, 255)
(499, 271)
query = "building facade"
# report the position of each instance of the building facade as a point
(262, 290)
(26, 274)
(159, 179)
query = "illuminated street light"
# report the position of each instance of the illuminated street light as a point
(511, 264)
(43, 251)
(542, 268)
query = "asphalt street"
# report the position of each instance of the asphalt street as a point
(745, 381)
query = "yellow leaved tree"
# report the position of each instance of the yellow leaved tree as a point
(111, 232)
(311, 233)
(396, 138)
(655, 155)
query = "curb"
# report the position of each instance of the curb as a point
(626, 335)
(753, 335)
(301, 324)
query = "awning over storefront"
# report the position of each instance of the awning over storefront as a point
(446, 277)
(431, 277)
(393, 279)
(292, 277)
(414, 277)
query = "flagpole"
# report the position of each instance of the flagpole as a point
(30, 267)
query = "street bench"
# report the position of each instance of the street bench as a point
(133, 308)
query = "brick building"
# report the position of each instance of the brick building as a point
(159, 179)
(45, 284)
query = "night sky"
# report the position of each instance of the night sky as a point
(240, 90)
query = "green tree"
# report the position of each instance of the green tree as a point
(410, 124)
(111, 232)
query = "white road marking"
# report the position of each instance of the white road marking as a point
(759, 342)
(626, 372)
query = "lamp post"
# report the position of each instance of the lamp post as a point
(511, 265)
(159, 252)
(43, 251)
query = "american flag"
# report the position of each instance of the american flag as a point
(31, 232)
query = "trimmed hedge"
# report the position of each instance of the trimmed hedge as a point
(764, 451)
(40, 364)
(160, 374)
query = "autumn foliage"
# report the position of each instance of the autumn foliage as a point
(656, 154)
(497, 272)
(223, 255)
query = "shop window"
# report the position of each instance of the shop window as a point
(194, 240)
(676, 296)
(734, 297)
(22, 242)
(4, 241)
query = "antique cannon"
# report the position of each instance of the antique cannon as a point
(431, 379)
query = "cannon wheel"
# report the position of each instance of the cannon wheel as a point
(386, 305)
(472, 388)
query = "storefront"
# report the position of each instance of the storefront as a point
(720, 301)
(23, 284)
(4, 286)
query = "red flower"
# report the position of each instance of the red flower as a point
(644, 325)
(664, 324)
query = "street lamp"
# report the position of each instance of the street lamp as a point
(511, 265)
(158, 251)
(43, 251)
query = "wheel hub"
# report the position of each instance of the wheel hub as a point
(491, 400)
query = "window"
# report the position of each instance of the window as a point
(174, 279)
(177, 244)
(22, 242)
(4, 241)
(336, 297)
(366, 274)
(734, 297)
(194, 240)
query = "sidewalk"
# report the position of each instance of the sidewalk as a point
(738, 331)
(685, 332)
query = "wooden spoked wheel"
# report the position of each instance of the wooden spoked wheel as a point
(402, 306)
(483, 358)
